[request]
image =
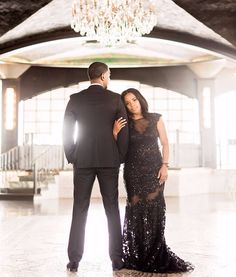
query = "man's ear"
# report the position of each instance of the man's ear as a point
(102, 77)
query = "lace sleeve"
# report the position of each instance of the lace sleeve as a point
(156, 116)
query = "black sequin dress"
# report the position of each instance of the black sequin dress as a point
(144, 243)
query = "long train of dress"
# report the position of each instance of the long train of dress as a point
(144, 244)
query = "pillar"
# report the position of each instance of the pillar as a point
(9, 124)
(206, 97)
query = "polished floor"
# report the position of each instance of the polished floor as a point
(33, 237)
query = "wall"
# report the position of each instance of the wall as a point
(181, 182)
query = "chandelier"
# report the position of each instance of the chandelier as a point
(113, 22)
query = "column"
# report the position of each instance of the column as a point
(206, 73)
(9, 125)
(206, 97)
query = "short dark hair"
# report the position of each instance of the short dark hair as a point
(96, 69)
(141, 99)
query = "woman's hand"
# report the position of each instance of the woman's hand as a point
(118, 125)
(163, 174)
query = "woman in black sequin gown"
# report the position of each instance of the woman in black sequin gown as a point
(145, 173)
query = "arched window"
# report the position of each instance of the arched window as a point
(43, 117)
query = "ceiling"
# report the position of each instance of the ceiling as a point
(37, 32)
(219, 15)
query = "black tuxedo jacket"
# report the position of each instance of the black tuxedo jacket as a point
(94, 110)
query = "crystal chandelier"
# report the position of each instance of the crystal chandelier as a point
(113, 22)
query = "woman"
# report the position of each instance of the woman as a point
(145, 173)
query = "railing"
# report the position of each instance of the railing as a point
(41, 161)
(10, 159)
(44, 161)
(25, 157)
(51, 157)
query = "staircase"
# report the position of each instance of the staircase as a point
(27, 171)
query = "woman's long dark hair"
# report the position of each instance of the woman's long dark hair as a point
(141, 99)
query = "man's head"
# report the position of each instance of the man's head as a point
(99, 73)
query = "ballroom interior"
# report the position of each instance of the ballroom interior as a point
(181, 55)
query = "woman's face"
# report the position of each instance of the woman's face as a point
(132, 103)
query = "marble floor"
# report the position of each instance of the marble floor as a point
(33, 237)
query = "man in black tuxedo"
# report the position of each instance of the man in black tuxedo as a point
(95, 153)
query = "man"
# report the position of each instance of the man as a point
(95, 153)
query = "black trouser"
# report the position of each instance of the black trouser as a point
(83, 183)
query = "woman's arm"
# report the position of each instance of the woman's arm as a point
(163, 172)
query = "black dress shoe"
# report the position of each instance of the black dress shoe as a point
(72, 266)
(117, 265)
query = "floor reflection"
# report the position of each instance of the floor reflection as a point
(34, 236)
